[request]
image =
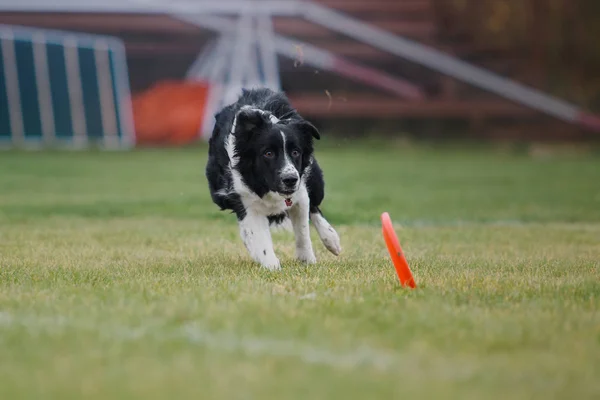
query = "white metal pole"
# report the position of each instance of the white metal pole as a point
(231, 7)
(216, 76)
(268, 53)
(239, 58)
(12, 87)
(252, 71)
(42, 80)
(78, 121)
(203, 63)
(105, 89)
(124, 103)
(221, 54)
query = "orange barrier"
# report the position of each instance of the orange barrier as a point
(170, 113)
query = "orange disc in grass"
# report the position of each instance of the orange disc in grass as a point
(396, 253)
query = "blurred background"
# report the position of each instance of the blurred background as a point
(153, 72)
(473, 123)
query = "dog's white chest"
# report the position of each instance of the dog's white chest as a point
(271, 204)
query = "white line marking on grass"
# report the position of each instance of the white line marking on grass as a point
(253, 346)
(193, 333)
(460, 223)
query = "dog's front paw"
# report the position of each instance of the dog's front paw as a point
(306, 256)
(272, 264)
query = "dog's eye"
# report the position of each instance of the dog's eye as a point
(295, 153)
(269, 154)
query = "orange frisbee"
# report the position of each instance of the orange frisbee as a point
(396, 253)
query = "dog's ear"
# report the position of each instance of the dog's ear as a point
(249, 120)
(307, 128)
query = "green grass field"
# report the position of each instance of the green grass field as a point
(120, 279)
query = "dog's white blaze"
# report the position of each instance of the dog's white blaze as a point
(328, 235)
(289, 168)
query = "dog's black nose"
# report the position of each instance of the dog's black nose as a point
(290, 181)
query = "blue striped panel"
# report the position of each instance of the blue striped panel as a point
(30, 108)
(91, 93)
(57, 70)
(59, 89)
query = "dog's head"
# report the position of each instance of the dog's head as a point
(272, 155)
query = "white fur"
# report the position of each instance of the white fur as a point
(299, 217)
(284, 226)
(230, 146)
(272, 118)
(224, 192)
(254, 229)
(328, 235)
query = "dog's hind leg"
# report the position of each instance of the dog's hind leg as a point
(328, 235)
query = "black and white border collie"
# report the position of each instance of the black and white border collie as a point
(261, 166)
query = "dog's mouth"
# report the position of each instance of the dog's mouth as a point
(287, 193)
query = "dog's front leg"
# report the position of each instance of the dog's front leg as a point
(256, 235)
(299, 217)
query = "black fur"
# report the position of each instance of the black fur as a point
(276, 219)
(255, 138)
